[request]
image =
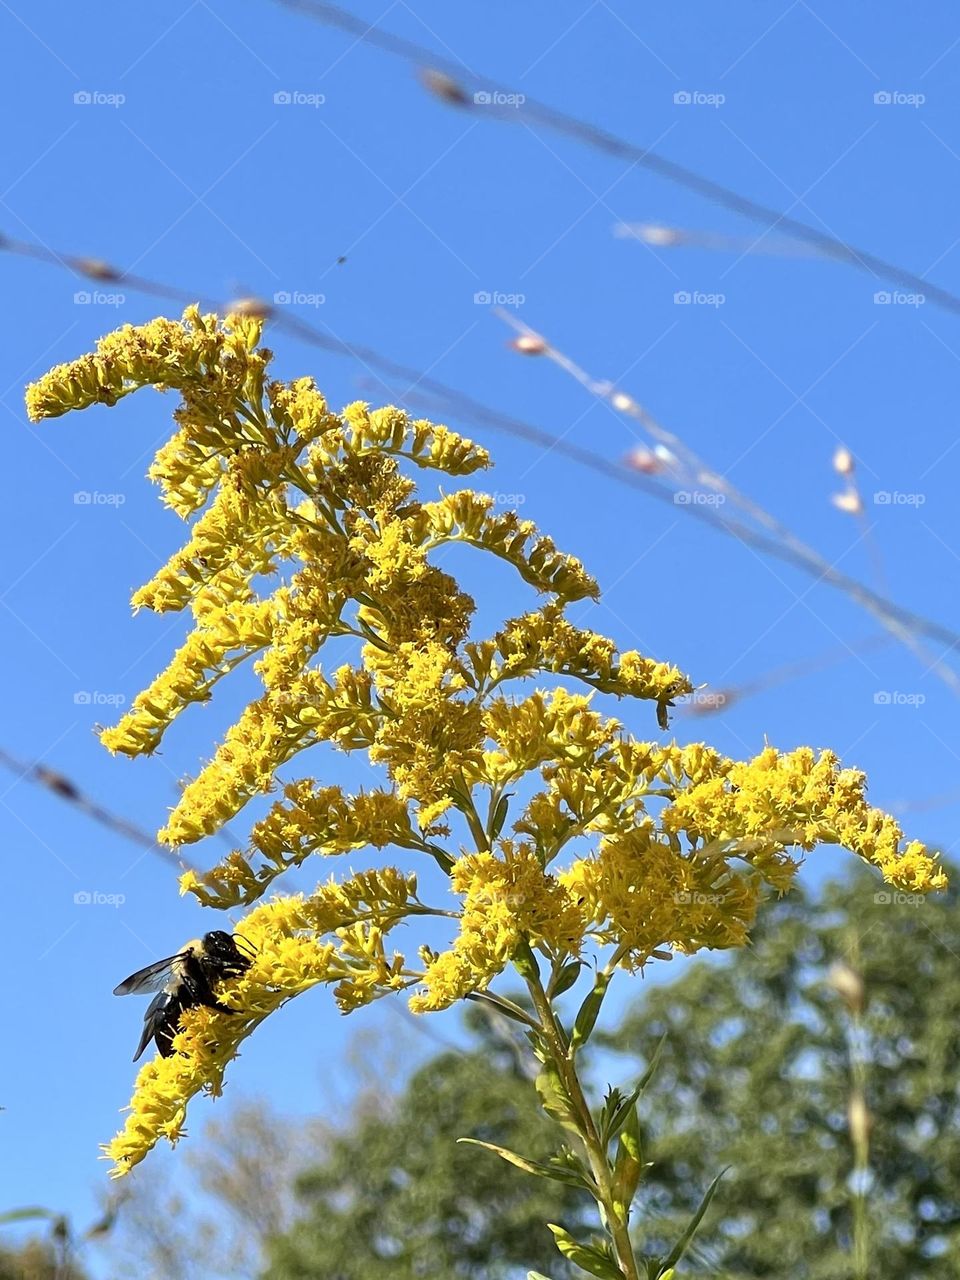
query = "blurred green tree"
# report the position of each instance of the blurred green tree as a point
(390, 1193)
(51, 1256)
(396, 1198)
(207, 1215)
(842, 1021)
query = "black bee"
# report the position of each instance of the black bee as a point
(184, 981)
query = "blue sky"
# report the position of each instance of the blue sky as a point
(181, 166)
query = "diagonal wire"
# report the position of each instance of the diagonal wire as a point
(719, 698)
(448, 79)
(466, 407)
(687, 464)
(64, 789)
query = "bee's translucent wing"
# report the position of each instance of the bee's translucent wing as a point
(152, 978)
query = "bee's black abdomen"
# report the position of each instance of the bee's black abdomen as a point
(168, 1024)
(161, 1023)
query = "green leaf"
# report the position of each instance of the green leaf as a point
(502, 1005)
(628, 1167)
(680, 1248)
(589, 1012)
(525, 963)
(500, 817)
(441, 857)
(536, 1275)
(630, 1138)
(541, 1050)
(565, 978)
(554, 1098)
(611, 1100)
(619, 1113)
(619, 1116)
(556, 1172)
(22, 1215)
(652, 1065)
(585, 1255)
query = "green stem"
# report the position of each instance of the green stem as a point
(464, 802)
(556, 1043)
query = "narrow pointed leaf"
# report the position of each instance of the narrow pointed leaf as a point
(680, 1248)
(628, 1167)
(502, 1004)
(566, 977)
(554, 1098)
(558, 1173)
(500, 817)
(441, 857)
(585, 1255)
(652, 1065)
(22, 1215)
(589, 1012)
(620, 1113)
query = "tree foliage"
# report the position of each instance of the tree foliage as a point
(757, 1075)
(398, 1198)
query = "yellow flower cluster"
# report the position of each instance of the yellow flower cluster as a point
(319, 508)
(290, 958)
(645, 896)
(309, 819)
(759, 808)
(507, 900)
(547, 641)
(212, 365)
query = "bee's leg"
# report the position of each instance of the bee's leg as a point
(202, 993)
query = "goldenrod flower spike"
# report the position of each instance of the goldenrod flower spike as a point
(290, 958)
(307, 526)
